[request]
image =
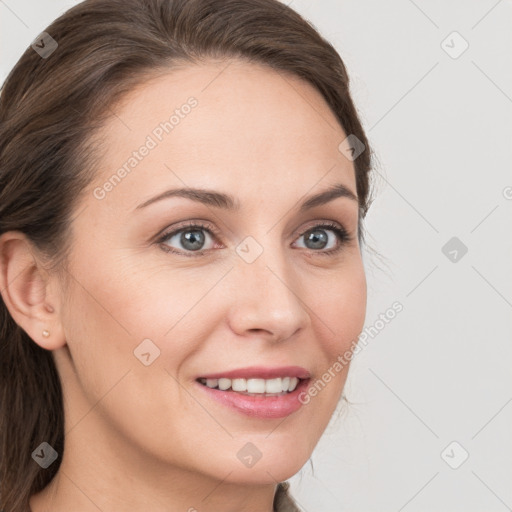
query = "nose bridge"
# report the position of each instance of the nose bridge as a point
(268, 297)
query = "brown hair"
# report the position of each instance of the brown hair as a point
(50, 110)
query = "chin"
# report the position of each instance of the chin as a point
(270, 468)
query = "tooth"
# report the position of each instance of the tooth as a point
(273, 385)
(293, 383)
(239, 385)
(256, 385)
(224, 384)
(212, 383)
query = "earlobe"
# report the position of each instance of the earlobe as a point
(25, 290)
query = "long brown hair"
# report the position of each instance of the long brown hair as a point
(50, 109)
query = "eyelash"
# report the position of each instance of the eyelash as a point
(341, 233)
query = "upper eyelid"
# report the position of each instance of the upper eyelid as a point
(166, 233)
(207, 226)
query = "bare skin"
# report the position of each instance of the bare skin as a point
(142, 437)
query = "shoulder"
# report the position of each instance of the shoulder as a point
(283, 502)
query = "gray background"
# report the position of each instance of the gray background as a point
(440, 370)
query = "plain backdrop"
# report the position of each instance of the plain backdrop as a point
(430, 421)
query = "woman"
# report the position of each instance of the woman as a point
(183, 185)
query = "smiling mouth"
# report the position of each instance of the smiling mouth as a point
(254, 387)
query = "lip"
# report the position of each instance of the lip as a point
(260, 372)
(259, 406)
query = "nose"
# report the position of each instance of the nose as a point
(267, 298)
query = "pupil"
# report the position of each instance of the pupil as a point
(315, 238)
(192, 239)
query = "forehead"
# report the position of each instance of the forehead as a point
(222, 124)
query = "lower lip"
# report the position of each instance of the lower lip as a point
(260, 406)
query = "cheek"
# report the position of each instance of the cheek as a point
(118, 305)
(106, 317)
(154, 299)
(340, 314)
(341, 308)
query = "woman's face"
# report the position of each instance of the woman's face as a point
(249, 288)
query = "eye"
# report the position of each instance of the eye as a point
(192, 239)
(317, 238)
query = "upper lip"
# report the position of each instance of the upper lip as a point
(260, 372)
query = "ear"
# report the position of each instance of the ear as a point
(26, 290)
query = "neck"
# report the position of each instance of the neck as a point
(101, 472)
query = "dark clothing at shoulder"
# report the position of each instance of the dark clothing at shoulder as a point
(283, 502)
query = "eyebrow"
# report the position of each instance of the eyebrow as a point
(230, 203)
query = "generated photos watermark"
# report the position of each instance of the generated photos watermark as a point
(152, 140)
(356, 346)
